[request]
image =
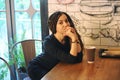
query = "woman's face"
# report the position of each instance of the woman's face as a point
(62, 24)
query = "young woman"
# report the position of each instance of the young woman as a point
(63, 45)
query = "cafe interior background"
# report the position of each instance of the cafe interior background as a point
(97, 21)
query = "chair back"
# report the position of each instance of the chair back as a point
(28, 48)
(29, 52)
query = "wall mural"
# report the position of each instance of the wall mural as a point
(102, 13)
(96, 11)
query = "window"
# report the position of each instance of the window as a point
(27, 19)
(20, 20)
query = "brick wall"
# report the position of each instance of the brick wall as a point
(97, 21)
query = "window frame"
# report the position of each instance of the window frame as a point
(44, 17)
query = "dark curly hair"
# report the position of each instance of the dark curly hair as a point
(52, 22)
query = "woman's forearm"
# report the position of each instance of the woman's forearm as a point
(78, 47)
(74, 49)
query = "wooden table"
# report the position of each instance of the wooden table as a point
(101, 69)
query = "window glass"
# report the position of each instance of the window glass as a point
(23, 26)
(2, 4)
(36, 4)
(3, 35)
(37, 31)
(37, 25)
(28, 22)
(21, 4)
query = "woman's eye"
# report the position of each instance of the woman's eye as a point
(60, 22)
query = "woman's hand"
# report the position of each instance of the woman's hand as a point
(75, 46)
(70, 32)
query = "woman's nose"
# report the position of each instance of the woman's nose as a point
(66, 24)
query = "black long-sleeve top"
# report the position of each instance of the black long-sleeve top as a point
(55, 52)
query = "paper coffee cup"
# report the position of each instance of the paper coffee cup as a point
(90, 52)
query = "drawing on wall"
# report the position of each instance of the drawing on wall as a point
(65, 1)
(113, 33)
(94, 10)
(109, 32)
(102, 13)
(82, 29)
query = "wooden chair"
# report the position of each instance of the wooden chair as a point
(29, 49)
(11, 73)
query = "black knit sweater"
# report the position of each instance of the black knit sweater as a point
(55, 52)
